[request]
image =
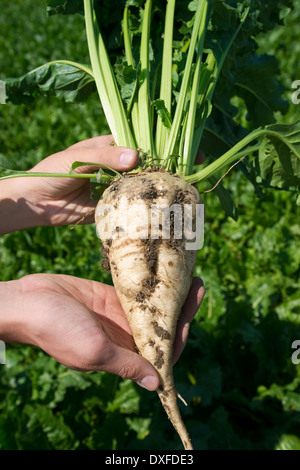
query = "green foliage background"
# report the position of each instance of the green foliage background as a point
(236, 372)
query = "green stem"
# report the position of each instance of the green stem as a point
(127, 40)
(187, 166)
(230, 156)
(146, 137)
(105, 81)
(130, 61)
(213, 168)
(205, 82)
(181, 143)
(54, 175)
(175, 129)
(207, 88)
(162, 132)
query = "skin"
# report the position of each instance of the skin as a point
(79, 322)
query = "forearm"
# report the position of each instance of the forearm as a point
(17, 207)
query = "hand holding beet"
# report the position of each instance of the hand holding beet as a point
(81, 324)
(31, 202)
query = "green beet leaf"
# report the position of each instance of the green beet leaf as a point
(67, 80)
(169, 77)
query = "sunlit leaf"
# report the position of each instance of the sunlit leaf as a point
(71, 82)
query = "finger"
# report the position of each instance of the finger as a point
(193, 301)
(118, 158)
(95, 142)
(130, 365)
(189, 310)
(100, 298)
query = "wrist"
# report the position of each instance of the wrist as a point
(13, 325)
(18, 207)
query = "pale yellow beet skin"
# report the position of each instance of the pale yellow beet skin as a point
(152, 278)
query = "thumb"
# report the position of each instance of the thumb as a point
(130, 365)
(119, 158)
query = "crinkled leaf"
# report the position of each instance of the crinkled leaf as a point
(49, 428)
(243, 70)
(214, 305)
(126, 399)
(70, 82)
(243, 78)
(140, 425)
(126, 76)
(279, 157)
(163, 113)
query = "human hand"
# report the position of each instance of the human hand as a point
(66, 200)
(28, 202)
(82, 325)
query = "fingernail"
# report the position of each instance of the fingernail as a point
(149, 382)
(128, 158)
